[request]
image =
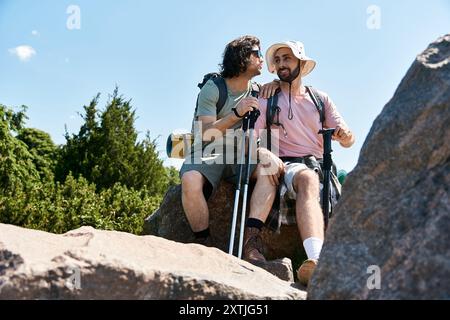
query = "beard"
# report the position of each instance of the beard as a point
(290, 75)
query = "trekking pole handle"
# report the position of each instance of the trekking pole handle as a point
(251, 116)
(327, 161)
(327, 133)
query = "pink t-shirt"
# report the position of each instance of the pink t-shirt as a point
(300, 137)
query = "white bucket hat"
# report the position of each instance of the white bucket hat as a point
(298, 49)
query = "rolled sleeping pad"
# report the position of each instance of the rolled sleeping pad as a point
(177, 144)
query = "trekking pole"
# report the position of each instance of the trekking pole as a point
(248, 122)
(327, 163)
(252, 119)
(238, 189)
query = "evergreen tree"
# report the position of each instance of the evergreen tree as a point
(30, 198)
(106, 150)
(17, 169)
(78, 155)
(43, 151)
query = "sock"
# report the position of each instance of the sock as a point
(313, 246)
(202, 234)
(254, 223)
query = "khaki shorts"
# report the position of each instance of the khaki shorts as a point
(284, 211)
(214, 169)
(291, 169)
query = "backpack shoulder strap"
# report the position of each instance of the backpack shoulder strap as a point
(272, 104)
(255, 89)
(317, 102)
(223, 92)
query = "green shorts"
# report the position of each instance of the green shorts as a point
(215, 169)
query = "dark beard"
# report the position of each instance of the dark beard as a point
(292, 75)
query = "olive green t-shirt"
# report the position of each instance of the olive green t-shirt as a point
(207, 100)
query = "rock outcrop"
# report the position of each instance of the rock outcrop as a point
(390, 238)
(170, 222)
(91, 264)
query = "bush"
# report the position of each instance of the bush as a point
(62, 207)
(101, 177)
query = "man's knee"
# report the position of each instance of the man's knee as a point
(192, 182)
(261, 175)
(306, 181)
(259, 172)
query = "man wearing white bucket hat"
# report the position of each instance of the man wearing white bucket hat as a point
(300, 147)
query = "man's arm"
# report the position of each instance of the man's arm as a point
(344, 136)
(333, 119)
(211, 122)
(269, 89)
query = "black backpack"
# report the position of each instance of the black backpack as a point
(223, 93)
(219, 81)
(273, 108)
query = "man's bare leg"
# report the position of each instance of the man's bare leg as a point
(260, 204)
(193, 200)
(262, 197)
(309, 220)
(308, 210)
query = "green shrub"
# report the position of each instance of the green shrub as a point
(101, 177)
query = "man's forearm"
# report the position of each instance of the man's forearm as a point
(222, 124)
(348, 142)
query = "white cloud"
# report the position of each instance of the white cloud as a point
(35, 33)
(24, 52)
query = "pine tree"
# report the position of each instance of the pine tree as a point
(43, 151)
(106, 150)
(17, 169)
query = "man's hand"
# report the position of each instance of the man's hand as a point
(343, 136)
(247, 105)
(271, 165)
(268, 90)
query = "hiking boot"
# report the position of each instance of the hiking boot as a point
(253, 245)
(306, 270)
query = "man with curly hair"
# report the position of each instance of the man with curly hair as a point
(242, 60)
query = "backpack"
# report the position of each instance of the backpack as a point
(178, 145)
(223, 93)
(219, 81)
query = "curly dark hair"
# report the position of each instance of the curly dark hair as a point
(237, 56)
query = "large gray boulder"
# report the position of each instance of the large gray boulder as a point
(91, 264)
(395, 212)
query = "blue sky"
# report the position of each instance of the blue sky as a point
(156, 52)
